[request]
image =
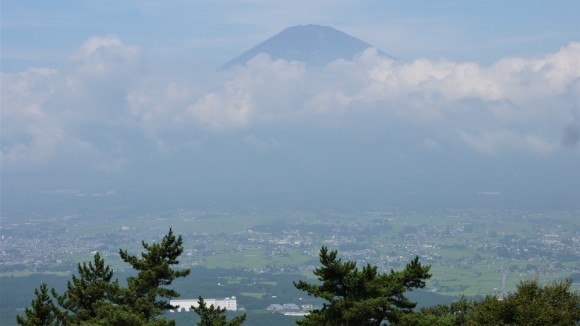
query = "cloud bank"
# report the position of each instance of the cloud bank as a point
(107, 105)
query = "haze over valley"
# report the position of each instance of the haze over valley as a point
(446, 131)
(311, 117)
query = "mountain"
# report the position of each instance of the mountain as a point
(313, 44)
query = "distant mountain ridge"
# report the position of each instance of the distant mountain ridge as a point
(313, 44)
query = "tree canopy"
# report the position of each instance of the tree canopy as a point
(93, 298)
(42, 310)
(146, 293)
(352, 296)
(361, 297)
(215, 316)
(531, 304)
(88, 291)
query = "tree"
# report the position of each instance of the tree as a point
(361, 297)
(531, 304)
(42, 311)
(215, 316)
(122, 314)
(92, 298)
(88, 292)
(146, 293)
(456, 313)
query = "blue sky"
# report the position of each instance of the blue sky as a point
(212, 32)
(106, 97)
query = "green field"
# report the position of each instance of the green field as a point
(470, 251)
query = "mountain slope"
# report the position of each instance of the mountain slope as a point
(313, 44)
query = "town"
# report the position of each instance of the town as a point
(471, 252)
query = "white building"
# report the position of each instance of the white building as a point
(185, 304)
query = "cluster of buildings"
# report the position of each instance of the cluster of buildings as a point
(291, 309)
(542, 243)
(230, 304)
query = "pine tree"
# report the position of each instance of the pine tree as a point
(93, 285)
(122, 314)
(146, 293)
(92, 298)
(531, 304)
(361, 297)
(42, 311)
(457, 313)
(215, 316)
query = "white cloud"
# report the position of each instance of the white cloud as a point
(85, 110)
(493, 142)
(158, 104)
(220, 112)
(430, 144)
(48, 115)
(106, 56)
(261, 92)
(489, 193)
(515, 102)
(24, 93)
(79, 193)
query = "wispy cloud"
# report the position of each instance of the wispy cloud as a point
(79, 193)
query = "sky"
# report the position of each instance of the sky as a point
(121, 101)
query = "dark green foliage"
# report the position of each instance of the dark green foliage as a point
(531, 304)
(456, 313)
(146, 293)
(112, 314)
(93, 285)
(92, 298)
(42, 310)
(361, 297)
(215, 316)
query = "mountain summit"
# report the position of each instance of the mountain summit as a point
(313, 44)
